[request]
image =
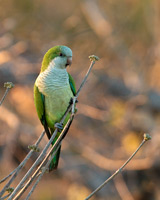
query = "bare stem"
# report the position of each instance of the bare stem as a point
(5, 178)
(4, 96)
(8, 86)
(93, 60)
(3, 198)
(146, 138)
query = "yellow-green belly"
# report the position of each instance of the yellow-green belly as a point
(56, 104)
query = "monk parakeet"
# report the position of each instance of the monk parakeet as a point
(53, 90)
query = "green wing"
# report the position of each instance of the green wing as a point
(72, 84)
(39, 100)
(39, 103)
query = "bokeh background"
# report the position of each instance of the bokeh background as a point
(119, 103)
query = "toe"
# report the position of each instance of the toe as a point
(59, 126)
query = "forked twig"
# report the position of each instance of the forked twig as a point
(145, 139)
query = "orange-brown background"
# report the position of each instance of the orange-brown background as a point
(120, 101)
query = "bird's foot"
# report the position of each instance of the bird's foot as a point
(59, 126)
(71, 101)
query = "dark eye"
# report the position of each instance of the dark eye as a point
(60, 54)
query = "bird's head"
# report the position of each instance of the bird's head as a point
(59, 56)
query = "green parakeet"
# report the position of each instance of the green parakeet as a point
(53, 90)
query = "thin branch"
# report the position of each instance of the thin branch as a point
(93, 59)
(5, 178)
(17, 170)
(8, 86)
(3, 198)
(146, 138)
(4, 96)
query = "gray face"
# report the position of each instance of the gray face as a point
(66, 51)
(64, 59)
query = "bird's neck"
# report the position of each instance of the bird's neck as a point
(52, 79)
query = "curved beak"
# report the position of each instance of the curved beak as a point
(69, 61)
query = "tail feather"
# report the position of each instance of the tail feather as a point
(54, 163)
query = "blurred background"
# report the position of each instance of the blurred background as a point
(119, 103)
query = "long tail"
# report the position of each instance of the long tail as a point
(54, 163)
